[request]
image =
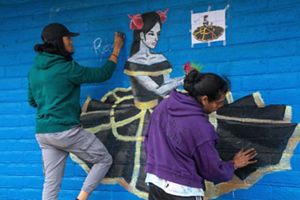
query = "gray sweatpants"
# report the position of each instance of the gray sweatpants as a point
(55, 150)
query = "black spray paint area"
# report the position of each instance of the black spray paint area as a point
(242, 124)
(245, 123)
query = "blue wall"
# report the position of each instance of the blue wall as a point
(262, 54)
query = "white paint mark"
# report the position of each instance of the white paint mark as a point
(102, 48)
(97, 44)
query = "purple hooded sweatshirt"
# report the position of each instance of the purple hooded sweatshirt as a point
(180, 144)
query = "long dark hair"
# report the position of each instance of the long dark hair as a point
(149, 20)
(54, 47)
(205, 84)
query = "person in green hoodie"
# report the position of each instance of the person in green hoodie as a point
(54, 90)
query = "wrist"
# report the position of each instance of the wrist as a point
(115, 55)
(113, 58)
(234, 165)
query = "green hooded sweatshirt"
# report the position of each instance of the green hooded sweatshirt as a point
(54, 90)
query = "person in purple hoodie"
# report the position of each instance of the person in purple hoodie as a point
(180, 141)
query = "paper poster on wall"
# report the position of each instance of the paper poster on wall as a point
(208, 27)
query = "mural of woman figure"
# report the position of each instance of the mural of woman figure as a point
(119, 119)
(149, 72)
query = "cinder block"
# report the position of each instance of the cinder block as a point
(285, 193)
(17, 120)
(26, 132)
(18, 145)
(259, 192)
(21, 157)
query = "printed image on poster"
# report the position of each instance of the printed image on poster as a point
(208, 26)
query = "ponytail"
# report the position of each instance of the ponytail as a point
(205, 84)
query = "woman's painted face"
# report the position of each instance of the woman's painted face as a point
(150, 38)
(68, 43)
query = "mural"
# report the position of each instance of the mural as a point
(119, 119)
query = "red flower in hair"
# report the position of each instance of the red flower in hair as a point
(163, 15)
(136, 22)
(187, 68)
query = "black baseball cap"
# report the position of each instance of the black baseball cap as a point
(55, 31)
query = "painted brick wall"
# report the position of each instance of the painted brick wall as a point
(262, 54)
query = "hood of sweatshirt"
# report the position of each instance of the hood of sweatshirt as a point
(46, 60)
(181, 104)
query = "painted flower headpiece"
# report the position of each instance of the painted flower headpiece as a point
(136, 22)
(189, 66)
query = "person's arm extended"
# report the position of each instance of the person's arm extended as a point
(118, 43)
(169, 84)
(79, 74)
(209, 164)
